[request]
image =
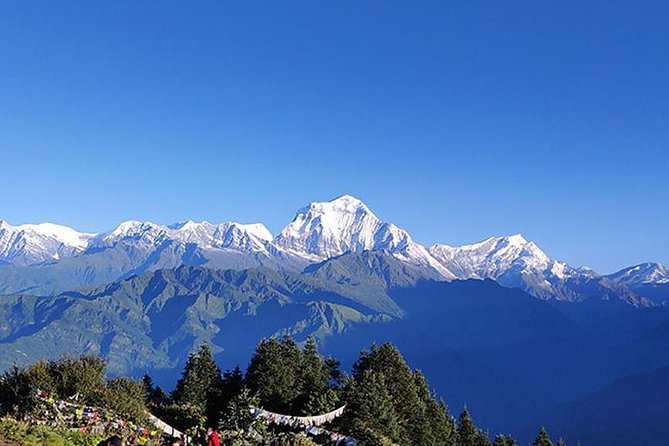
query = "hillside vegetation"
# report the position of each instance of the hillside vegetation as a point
(386, 402)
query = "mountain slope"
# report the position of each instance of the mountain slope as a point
(153, 320)
(376, 269)
(479, 344)
(630, 411)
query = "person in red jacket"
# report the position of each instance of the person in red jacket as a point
(212, 437)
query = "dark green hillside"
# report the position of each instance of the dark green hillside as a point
(152, 320)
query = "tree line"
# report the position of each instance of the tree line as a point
(387, 403)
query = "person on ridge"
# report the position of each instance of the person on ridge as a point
(212, 437)
(175, 441)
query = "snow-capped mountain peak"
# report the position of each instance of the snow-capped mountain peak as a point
(205, 235)
(127, 229)
(131, 227)
(188, 225)
(241, 237)
(344, 203)
(644, 273)
(259, 230)
(327, 229)
(490, 257)
(34, 243)
(63, 234)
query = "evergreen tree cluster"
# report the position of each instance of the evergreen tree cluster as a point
(387, 403)
(200, 385)
(290, 380)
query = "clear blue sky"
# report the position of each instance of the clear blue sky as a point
(455, 120)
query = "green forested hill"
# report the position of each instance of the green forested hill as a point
(152, 320)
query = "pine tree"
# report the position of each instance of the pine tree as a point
(542, 439)
(16, 394)
(273, 374)
(147, 382)
(561, 442)
(421, 419)
(237, 415)
(370, 416)
(466, 429)
(200, 383)
(336, 376)
(231, 385)
(83, 377)
(468, 433)
(158, 396)
(504, 440)
(387, 362)
(482, 438)
(500, 440)
(436, 425)
(316, 394)
(153, 395)
(233, 382)
(126, 397)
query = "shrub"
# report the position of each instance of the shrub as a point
(31, 435)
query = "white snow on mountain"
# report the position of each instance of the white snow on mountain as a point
(36, 243)
(495, 256)
(248, 238)
(644, 273)
(149, 233)
(511, 260)
(63, 234)
(28, 244)
(318, 232)
(328, 229)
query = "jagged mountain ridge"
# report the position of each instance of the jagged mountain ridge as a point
(515, 262)
(50, 258)
(645, 273)
(648, 281)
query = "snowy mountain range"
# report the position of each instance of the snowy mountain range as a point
(30, 244)
(646, 273)
(53, 258)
